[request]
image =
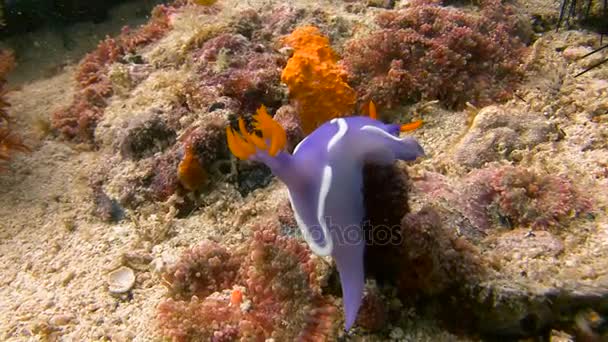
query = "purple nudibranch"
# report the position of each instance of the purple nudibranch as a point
(324, 178)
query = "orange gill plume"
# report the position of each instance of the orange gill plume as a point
(244, 144)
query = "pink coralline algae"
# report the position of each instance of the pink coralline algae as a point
(512, 196)
(231, 65)
(276, 277)
(527, 198)
(94, 88)
(430, 51)
(202, 270)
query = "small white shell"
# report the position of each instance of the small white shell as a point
(121, 280)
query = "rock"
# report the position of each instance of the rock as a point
(61, 319)
(497, 135)
(146, 134)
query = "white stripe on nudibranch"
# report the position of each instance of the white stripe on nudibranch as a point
(295, 150)
(380, 131)
(342, 128)
(323, 191)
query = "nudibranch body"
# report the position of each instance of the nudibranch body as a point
(325, 183)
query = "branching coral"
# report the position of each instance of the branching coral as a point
(317, 84)
(430, 51)
(279, 281)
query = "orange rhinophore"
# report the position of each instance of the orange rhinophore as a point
(317, 84)
(403, 128)
(372, 110)
(244, 144)
(410, 126)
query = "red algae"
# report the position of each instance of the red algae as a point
(278, 279)
(428, 51)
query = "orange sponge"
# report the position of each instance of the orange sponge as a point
(317, 84)
(190, 172)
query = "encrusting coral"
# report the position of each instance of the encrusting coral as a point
(317, 84)
(429, 51)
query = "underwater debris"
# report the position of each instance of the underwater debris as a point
(317, 84)
(595, 65)
(569, 9)
(431, 51)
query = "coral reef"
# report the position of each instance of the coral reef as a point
(508, 196)
(203, 146)
(277, 275)
(206, 268)
(317, 84)
(522, 197)
(79, 119)
(245, 71)
(147, 134)
(429, 51)
(416, 252)
(373, 314)
(190, 172)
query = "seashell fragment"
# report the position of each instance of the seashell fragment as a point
(121, 280)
